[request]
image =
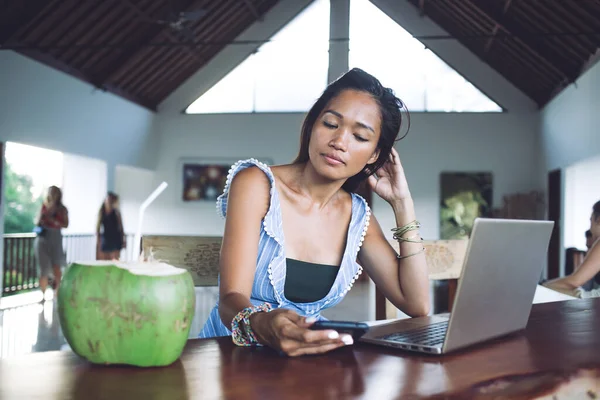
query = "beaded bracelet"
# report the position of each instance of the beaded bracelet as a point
(246, 337)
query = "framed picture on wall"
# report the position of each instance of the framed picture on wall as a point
(204, 179)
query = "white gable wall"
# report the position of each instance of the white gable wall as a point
(570, 123)
(569, 136)
(503, 143)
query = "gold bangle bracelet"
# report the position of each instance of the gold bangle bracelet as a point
(412, 254)
(410, 239)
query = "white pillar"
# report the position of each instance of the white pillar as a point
(339, 32)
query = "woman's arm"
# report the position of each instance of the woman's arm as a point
(248, 203)
(405, 282)
(65, 217)
(586, 271)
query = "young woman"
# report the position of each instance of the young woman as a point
(48, 244)
(589, 268)
(109, 229)
(297, 237)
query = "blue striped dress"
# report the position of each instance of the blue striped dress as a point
(269, 279)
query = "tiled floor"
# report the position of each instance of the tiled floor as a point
(30, 328)
(35, 327)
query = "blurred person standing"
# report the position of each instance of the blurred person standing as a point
(109, 229)
(48, 244)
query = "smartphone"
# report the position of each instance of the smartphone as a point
(355, 329)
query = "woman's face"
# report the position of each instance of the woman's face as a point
(345, 136)
(111, 203)
(53, 195)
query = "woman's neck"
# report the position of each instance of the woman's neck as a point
(312, 185)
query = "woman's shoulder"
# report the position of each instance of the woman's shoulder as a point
(249, 181)
(250, 178)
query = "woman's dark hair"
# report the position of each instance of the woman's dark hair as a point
(596, 210)
(390, 108)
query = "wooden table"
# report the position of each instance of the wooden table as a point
(561, 338)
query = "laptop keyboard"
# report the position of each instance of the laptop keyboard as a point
(430, 335)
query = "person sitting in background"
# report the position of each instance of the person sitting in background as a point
(588, 269)
(109, 229)
(48, 244)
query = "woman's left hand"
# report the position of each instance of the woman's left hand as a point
(390, 183)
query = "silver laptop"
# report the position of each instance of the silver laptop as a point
(502, 267)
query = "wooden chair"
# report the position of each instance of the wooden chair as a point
(445, 260)
(200, 256)
(197, 254)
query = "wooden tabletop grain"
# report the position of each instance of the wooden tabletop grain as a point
(562, 340)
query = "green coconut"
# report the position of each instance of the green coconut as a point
(126, 313)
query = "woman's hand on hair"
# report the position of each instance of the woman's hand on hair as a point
(286, 331)
(390, 182)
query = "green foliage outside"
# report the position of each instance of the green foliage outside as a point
(458, 214)
(20, 211)
(20, 205)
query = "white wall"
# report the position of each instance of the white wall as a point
(569, 134)
(504, 144)
(133, 185)
(570, 123)
(230, 137)
(84, 189)
(582, 191)
(43, 107)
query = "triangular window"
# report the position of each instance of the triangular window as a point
(419, 78)
(286, 74)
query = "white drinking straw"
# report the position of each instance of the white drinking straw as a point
(138, 234)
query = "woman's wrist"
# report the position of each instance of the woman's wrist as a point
(243, 333)
(256, 320)
(404, 211)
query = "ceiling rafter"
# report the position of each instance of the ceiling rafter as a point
(253, 10)
(134, 53)
(11, 26)
(110, 45)
(422, 8)
(490, 41)
(533, 44)
(143, 14)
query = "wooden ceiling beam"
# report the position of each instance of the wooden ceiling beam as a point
(253, 10)
(143, 14)
(490, 41)
(11, 26)
(536, 46)
(422, 8)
